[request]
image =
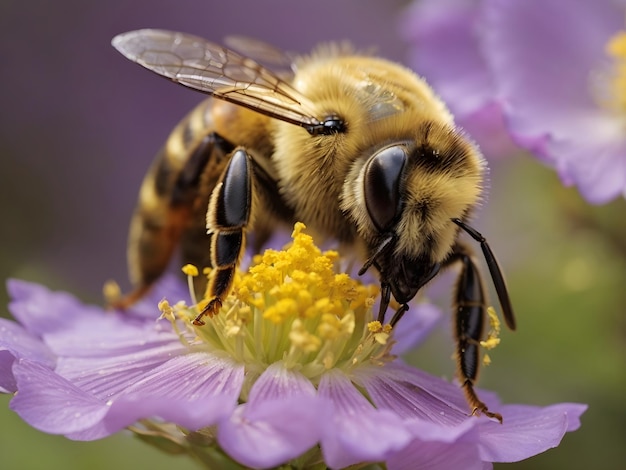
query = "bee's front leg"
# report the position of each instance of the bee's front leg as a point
(470, 312)
(228, 217)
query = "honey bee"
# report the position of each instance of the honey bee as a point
(358, 148)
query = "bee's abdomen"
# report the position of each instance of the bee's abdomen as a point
(173, 198)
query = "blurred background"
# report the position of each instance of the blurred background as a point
(79, 125)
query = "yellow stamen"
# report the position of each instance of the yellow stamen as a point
(333, 327)
(190, 270)
(284, 308)
(164, 307)
(169, 313)
(380, 332)
(302, 339)
(112, 292)
(381, 338)
(292, 306)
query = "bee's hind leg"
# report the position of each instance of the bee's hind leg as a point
(470, 311)
(166, 208)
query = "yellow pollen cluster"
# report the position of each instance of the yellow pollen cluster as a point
(292, 306)
(381, 332)
(615, 97)
(300, 282)
(493, 337)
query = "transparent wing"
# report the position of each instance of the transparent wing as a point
(263, 53)
(218, 71)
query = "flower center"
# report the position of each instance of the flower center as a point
(609, 85)
(290, 306)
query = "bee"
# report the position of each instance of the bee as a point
(358, 148)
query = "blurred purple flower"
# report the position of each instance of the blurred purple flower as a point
(538, 68)
(87, 373)
(447, 53)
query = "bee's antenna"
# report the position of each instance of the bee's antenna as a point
(381, 248)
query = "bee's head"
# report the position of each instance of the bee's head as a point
(404, 199)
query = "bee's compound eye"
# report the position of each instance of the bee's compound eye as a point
(382, 185)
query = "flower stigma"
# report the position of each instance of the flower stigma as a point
(290, 306)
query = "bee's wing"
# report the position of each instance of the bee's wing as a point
(281, 62)
(218, 71)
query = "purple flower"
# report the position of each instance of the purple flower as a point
(551, 72)
(263, 385)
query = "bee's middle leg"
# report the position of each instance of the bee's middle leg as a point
(228, 217)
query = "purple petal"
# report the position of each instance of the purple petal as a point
(567, 42)
(42, 311)
(596, 164)
(272, 432)
(7, 381)
(22, 290)
(17, 343)
(109, 335)
(282, 420)
(446, 438)
(417, 324)
(428, 431)
(22, 344)
(438, 456)
(191, 413)
(357, 432)
(148, 363)
(488, 128)
(278, 382)
(447, 53)
(412, 393)
(527, 431)
(52, 404)
(108, 376)
(187, 392)
(111, 352)
(195, 376)
(583, 141)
